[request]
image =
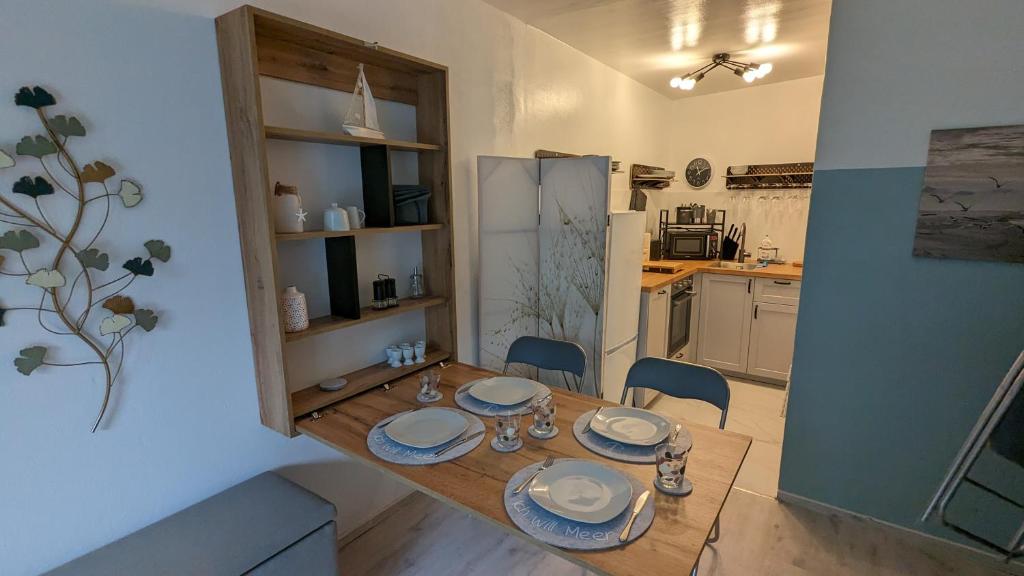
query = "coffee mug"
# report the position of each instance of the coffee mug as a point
(356, 217)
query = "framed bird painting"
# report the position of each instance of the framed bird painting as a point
(972, 200)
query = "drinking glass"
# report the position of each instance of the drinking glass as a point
(671, 462)
(430, 381)
(543, 417)
(506, 428)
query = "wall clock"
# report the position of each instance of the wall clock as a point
(698, 172)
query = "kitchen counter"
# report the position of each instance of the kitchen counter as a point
(685, 268)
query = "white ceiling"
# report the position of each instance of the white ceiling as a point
(654, 40)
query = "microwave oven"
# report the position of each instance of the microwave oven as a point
(686, 245)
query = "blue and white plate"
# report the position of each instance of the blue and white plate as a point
(466, 401)
(616, 450)
(388, 450)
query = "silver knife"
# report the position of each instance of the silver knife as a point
(587, 427)
(460, 442)
(636, 512)
(392, 418)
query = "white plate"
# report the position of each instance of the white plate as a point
(504, 390)
(427, 427)
(582, 491)
(631, 426)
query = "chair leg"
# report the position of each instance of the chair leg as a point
(695, 566)
(716, 533)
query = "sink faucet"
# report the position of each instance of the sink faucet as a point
(743, 242)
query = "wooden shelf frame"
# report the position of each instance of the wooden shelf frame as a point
(325, 324)
(253, 43)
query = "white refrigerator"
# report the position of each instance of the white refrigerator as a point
(556, 262)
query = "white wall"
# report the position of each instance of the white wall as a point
(767, 124)
(184, 423)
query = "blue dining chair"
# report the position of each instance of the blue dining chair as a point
(681, 380)
(546, 354)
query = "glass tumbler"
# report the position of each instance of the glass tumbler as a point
(430, 381)
(506, 428)
(671, 462)
(543, 417)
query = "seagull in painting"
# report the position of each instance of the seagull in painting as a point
(937, 197)
(997, 182)
(963, 207)
(1019, 224)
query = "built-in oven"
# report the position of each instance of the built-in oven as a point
(686, 244)
(680, 311)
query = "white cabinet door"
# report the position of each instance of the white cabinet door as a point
(657, 324)
(725, 310)
(616, 367)
(771, 340)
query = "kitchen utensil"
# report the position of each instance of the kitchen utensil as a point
(547, 464)
(637, 508)
(392, 418)
(582, 490)
(356, 217)
(630, 426)
(458, 443)
(504, 390)
(426, 427)
(587, 428)
(335, 218)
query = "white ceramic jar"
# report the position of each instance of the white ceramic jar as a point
(335, 218)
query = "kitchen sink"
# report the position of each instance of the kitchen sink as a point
(734, 265)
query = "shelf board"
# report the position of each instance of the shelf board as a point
(341, 139)
(313, 398)
(358, 232)
(325, 324)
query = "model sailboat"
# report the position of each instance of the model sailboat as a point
(361, 118)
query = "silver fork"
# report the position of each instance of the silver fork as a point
(547, 464)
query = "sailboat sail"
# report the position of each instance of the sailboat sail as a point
(361, 118)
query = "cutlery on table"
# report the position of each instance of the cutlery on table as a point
(587, 427)
(458, 443)
(632, 517)
(547, 464)
(393, 417)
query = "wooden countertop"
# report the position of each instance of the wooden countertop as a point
(475, 482)
(684, 268)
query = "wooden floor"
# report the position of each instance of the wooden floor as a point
(760, 536)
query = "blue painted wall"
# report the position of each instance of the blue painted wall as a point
(896, 356)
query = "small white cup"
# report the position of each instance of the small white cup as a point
(356, 217)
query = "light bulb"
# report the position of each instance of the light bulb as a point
(675, 82)
(764, 69)
(688, 83)
(749, 75)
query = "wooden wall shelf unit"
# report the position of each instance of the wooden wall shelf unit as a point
(254, 43)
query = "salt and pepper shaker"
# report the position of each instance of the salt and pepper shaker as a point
(380, 294)
(392, 291)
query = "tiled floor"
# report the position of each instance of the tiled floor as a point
(755, 410)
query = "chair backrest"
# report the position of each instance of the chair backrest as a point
(680, 380)
(549, 354)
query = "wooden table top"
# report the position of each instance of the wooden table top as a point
(652, 280)
(475, 482)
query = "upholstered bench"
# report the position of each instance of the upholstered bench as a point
(264, 526)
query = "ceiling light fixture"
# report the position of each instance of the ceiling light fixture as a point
(749, 71)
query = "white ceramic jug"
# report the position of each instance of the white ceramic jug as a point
(356, 217)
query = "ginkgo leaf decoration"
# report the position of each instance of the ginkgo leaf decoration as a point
(18, 240)
(97, 172)
(119, 305)
(35, 97)
(30, 359)
(76, 259)
(67, 126)
(114, 324)
(157, 249)
(39, 146)
(130, 193)
(93, 258)
(139, 267)
(145, 319)
(34, 188)
(45, 278)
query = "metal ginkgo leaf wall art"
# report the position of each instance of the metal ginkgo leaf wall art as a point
(71, 291)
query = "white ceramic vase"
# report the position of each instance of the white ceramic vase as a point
(294, 310)
(287, 207)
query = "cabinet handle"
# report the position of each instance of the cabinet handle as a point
(661, 292)
(755, 311)
(783, 283)
(749, 282)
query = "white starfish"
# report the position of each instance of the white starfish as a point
(302, 215)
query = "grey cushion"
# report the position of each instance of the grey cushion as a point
(315, 554)
(230, 533)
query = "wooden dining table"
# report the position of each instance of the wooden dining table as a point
(476, 481)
